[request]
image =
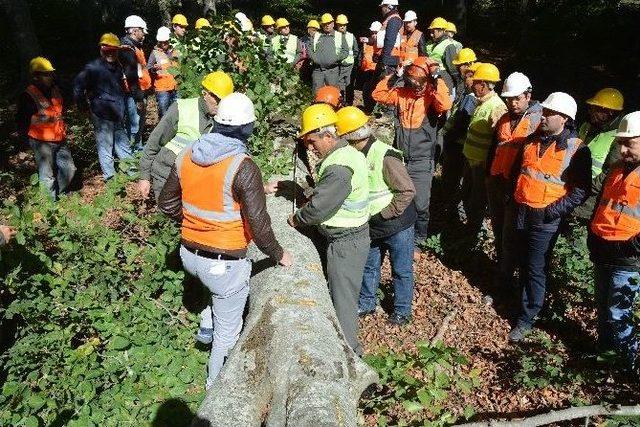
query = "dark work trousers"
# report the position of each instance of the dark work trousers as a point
(369, 82)
(452, 170)
(502, 213)
(474, 196)
(421, 173)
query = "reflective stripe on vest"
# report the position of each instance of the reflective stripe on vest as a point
(290, 48)
(409, 46)
(480, 132)
(144, 78)
(188, 128)
(380, 195)
(368, 63)
(618, 215)
(164, 80)
(337, 41)
(541, 182)
(351, 41)
(599, 145)
(510, 140)
(354, 211)
(211, 217)
(47, 124)
(436, 51)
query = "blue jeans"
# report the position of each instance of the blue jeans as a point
(110, 137)
(55, 166)
(616, 292)
(400, 248)
(135, 124)
(164, 100)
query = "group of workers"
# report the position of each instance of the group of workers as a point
(525, 161)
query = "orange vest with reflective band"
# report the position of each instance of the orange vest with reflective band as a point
(211, 216)
(396, 50)
(510, 140)
(164, 80)
(47, 124)
(368, 64)
(541, 180)
(409, 45)
(144, 78)
(617, 216)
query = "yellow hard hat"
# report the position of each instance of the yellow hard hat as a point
(267, 21)
(474, 67)
(438, 24)
(179, 19)
(487, 73)
(202, 22)
(342, 19)
(317, 116)
(218, 83)
(326, 18)
(608, 98)
(282, 22)
(313, 24)
(465, 56)
(109, 39)
(451, 27)
(350, 119)
(40, 65)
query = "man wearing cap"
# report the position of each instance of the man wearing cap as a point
(39, 121)
(185, 121)
(368, 65)
(346, 66)
(216, 231)
(553, 177)
(598, 132)
(328, 49)
(391, 25)
(161, 59)
(511, 132)
(101, 83)
(134, 63)
(339, 207)
(179, 25)
(443, 50)
(614, 246)
(412, 44)
(285, 44)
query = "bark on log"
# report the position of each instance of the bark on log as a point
(291, 365)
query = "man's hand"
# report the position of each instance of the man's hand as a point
(271, 187)
(287, 259)
(7, 232)
(144, 186)
(292, 221)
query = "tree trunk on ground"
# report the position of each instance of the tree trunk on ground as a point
(291, 365)
(21, 26)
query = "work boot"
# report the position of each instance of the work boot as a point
(518, 333)
(365, 313)
(399, 319)
(204, 335)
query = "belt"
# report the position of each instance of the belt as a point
(212, 255)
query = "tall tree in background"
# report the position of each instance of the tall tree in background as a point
(25, 40)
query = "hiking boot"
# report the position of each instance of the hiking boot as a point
(204, 335)
(518, 333)
(399, 319)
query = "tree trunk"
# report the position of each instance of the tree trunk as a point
(291, 365)
(21, 26)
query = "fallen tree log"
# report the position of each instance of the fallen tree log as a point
(291, 365)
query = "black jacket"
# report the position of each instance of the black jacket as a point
(101, 82)
(130, 66)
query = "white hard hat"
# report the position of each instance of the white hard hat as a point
(163, 35)
(516, 84)
(375, 26)
(389, 2)
(561, 102)
(241, 16)
(134, 21)
(410, 16)
(629, 126)
(235, 110)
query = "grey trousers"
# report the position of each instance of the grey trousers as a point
(346, 258)
(421, 173)
(321, 78)
(345, 76)
(55, 166)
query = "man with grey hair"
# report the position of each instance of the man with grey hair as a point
(393, 215)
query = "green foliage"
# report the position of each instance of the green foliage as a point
(419, 384)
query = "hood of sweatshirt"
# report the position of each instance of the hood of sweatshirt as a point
(212, 148)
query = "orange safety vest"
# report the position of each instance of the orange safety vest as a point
(47, 124)
(510, 140)
(369, 51)
(409, 45)
(618, 214)
(541, 181)
(396, 50)
(144, 78)
(211, 216)
(164, 80)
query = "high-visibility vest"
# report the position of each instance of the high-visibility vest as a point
(380, 195)
(599, 147)
(144, 78)
(480, 132)
(541, 181)
(354, 211)
(396, 49)
(436, 51)
(47, 124)
(210, 215)
(164, 80)
(368, 64)
(409, 45)
(617, 216)
(337, 40)
(290, 48)
(351, 42)
(510, 140)
(188, 128)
